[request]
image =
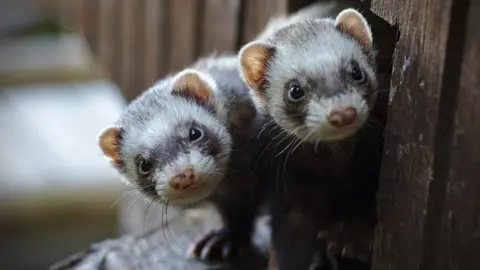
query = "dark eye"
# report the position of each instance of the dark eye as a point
(195, 134)
(144, 167)
(356, 73)
(295, 91)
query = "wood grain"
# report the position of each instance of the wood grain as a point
(220, 26)
(417, 170)
(156, 47)
(184, 32)
(162, 248)
(257, 13)
(89, 21)
(133, 48)
(458, 239)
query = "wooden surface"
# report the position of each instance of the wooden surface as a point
(161, 248)
(459, 234)
(256, 14)
(183, 33)
(143, 40)
(429, 216)
(132, 47)
(46, 59)
(220, 26)
(107, 37)
(156, 26)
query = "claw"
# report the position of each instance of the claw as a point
(216, 246)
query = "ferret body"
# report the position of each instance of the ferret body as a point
(186, 140)
(314, 82)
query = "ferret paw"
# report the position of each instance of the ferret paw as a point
(216, 246)
(323, 260)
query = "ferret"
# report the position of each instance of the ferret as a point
(186, 140)
(314, 82)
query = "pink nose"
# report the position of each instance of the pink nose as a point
(184, 180)
(341, 118)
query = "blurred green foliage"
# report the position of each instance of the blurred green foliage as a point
(47, 26)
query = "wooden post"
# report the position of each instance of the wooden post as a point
(108, 37)
(156, 43)
(257, 13)
(219, 26)
(428, 198)
(133, 47)
(458, 239)
(88, 10)
(183, 33)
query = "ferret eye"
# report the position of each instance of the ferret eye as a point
(356, 73)
(195, 134)
(144, 167)
(295, 91)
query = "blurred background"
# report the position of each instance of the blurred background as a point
(67, 69)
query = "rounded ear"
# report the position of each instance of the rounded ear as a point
(109, 141)
(193, 84)
(352, 23)
(254, 58)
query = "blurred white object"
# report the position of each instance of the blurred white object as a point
(53, 103)
(56, 188)
(49, 133)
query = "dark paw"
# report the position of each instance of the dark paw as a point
(324, 260)
(217, 246)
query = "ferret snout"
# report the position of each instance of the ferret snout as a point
(342, 117)
(183, 180)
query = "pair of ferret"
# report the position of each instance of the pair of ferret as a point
(282, 122)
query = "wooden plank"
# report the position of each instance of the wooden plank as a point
(163, 248)
(220, 26)
(133, 50)
(156, 23)
(415, 164)
(459, 235)
(183, 32)
(117, 61)
(89, 21)
(257, 13)
(106, 34)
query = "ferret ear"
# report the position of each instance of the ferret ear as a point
(109, 141)
(254, 58)
(355, 25)
(191, 83)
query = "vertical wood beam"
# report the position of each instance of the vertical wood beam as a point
(219, 26)
(418, 138)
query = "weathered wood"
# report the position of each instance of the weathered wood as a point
(107, 31)
(156, 47)
(417, 177)
(257, 13)
(161, 248)
(133, 48)
(89, 20)
(184, 32)
(459, 233)
(220, 26)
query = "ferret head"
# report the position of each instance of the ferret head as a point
(172, 142)
(314, 78)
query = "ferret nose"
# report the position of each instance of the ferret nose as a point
(342, 118)
(184, 180)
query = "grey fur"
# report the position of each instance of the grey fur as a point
(318, 55)
(155, 126)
